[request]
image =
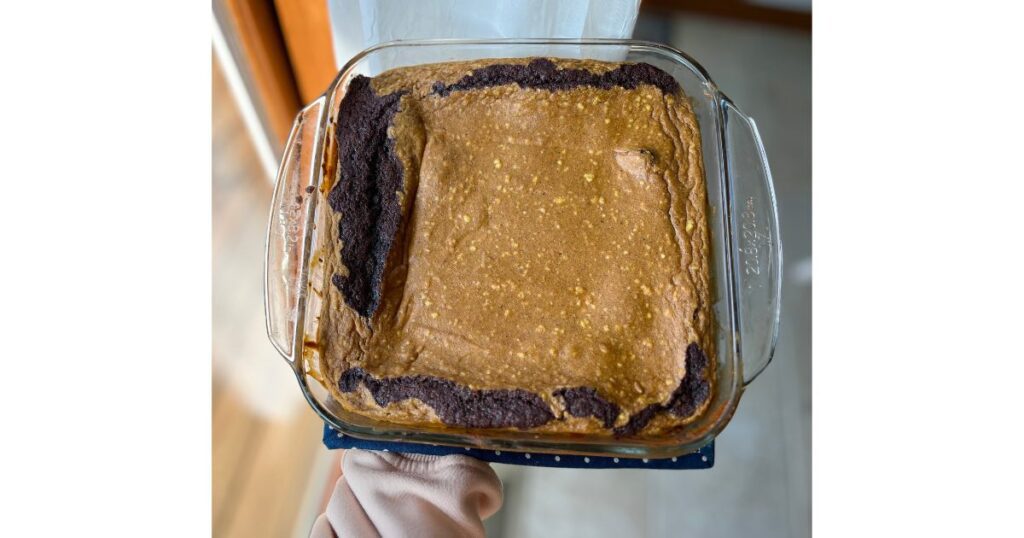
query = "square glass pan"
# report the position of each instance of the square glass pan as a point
(745, 246)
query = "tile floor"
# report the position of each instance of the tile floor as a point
(760, 485)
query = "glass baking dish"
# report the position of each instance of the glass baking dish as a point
(746, 247)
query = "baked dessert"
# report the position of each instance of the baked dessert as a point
(518, 244)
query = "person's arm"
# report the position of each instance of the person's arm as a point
(391, 494)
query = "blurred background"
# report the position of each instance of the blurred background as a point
(270, 471)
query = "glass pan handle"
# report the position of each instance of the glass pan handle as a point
(293, 198)
(757, 246)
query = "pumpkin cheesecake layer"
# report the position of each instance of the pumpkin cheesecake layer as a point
(518, 244)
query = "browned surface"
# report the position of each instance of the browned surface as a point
(553, 239)
(307, 34)
(251, 28)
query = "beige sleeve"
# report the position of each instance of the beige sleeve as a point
(390, 494)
